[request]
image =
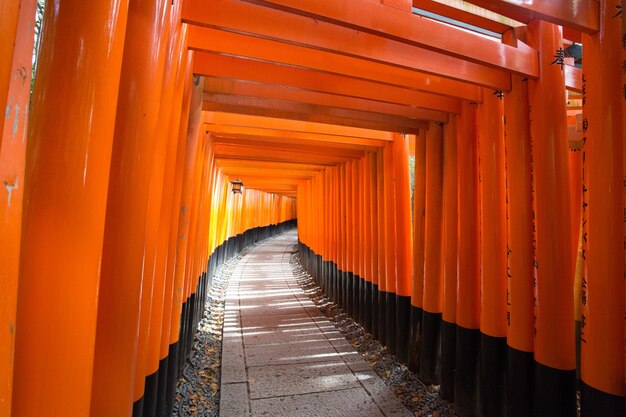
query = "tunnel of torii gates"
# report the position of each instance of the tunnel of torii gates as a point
(507, 285)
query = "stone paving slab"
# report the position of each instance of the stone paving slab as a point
(282, 357)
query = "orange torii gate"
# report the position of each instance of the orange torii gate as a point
(117, 206)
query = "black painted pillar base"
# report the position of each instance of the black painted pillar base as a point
(151, 390)
(403, 328)
(382, 317)
(415, 339)
(555, 392)
(356, 291)
(493, 364)
(391, 322)
(348, 294)
(431, 348)
(138, 408)
(598, 403)
(448, 348)
(519, 398)
(162, 388)
(466, 376)
(367, 306)
(374, 314)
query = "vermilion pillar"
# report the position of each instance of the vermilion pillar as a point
(433, 272)
(450, 258)
(12, 161)
(9, 16)
(602, 324)
(403, 245)
(419, 213)
(468, 305)
(382, 253)
(555, 361)
(493, 324)
(374, 246)
(127, 209)
(68, 159)
(390, 246)
(520, 296)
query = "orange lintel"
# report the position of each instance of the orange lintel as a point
(234, 44)
(260, 122)
(573, 78)
(235, 163)
(377, 19)
(582, 15)
(268, 154)
(274, 92)
(213, 65)
(322, 149)
(295, 111)
(235, 16)
(461, 15)
(279, 136)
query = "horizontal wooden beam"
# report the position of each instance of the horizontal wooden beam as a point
(573, 78)
(298, 111)
(461, 15)
(214, 85)
(227, 151)
(323, 149)
(387, 22)
(281, 136)
(264, 22)
(581, 15)
(298, 57)
(226, 67)
(252, 164)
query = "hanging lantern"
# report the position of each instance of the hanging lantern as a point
(237, 186)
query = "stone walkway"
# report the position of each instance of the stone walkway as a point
(282, 357)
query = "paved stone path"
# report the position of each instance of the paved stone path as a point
(282, 357)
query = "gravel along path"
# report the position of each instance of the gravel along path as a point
(417, 397)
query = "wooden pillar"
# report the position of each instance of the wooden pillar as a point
(419, 215)
(493, 325)
(68, 162)
(520, 274)
(433, 265)
(602, 324)
(468, 305)
(367, 243)
(12, 165)
(374, 246)
(127, 211)
(10, 38)
(403, 245)
(382, 252)
(450, 258)
(555, 361)
(390, 247)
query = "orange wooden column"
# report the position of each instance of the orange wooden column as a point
(419, 215)
(382, 252)
(10, 39)
(400, 147)
(493, 324)
(115, 363)
(520, 300)
(602, 324)
(341, 264)
(349, 271)
(366, 302)
(163, 282)
(468, 304)
(390, 247)
(433, 265)
(165, 355)
(356, 240)
(555, 361)
(374, 244)
(68, 161)
(450, 258)
(12, 166)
